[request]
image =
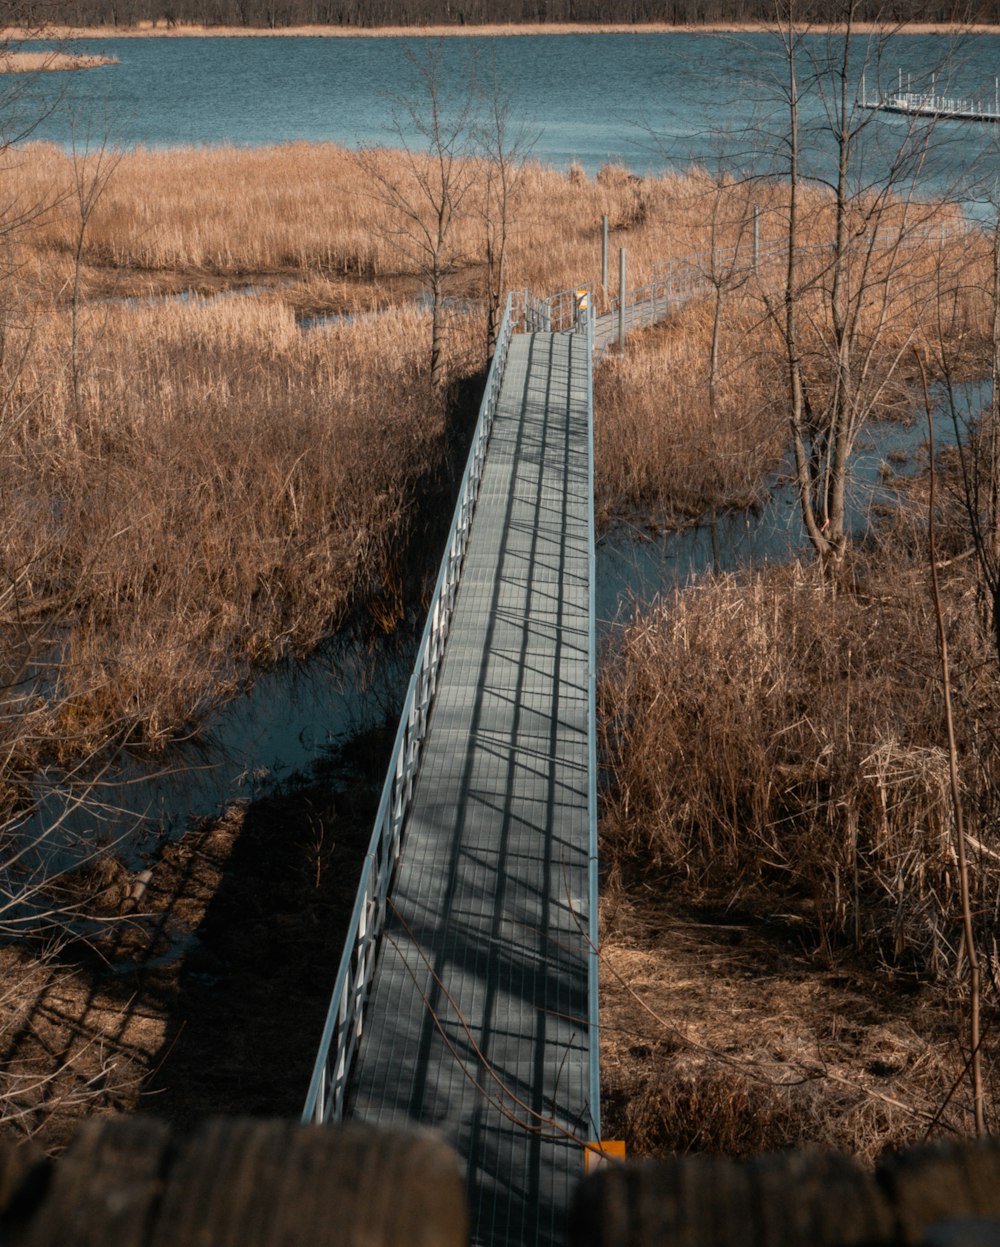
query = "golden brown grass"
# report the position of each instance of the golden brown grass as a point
(782, 948)
(721, 1031)
(214, 502)
(49, 62)
(766, 734)
(146, 29)
(190, 489)
(660, 451)
(676, 438)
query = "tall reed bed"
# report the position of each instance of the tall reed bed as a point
(661, 448)
(220, 489)
(197, 481)
(778, 744)
(693, 415)
(312, 209)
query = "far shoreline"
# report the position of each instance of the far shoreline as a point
(156, 30)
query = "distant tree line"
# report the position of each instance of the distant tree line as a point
(277, 13)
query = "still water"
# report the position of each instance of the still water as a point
(651, 101)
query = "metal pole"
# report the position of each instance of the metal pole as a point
(621, 299)
(756, 235)
(604, 258)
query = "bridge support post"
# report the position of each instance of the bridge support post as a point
(621, 299)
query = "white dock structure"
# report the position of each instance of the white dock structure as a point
(932, 103)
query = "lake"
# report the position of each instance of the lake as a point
(652, 101)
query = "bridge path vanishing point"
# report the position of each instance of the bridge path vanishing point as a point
(466, 998)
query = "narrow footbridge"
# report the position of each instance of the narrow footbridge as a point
(467, 995)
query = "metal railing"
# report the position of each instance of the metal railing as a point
(930, 104)
(531, 314)
(568, 309)
(675, 282)
(588, 318)
(345, 1016)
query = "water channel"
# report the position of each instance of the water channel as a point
(297, 715)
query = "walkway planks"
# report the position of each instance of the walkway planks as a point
(477, 1022)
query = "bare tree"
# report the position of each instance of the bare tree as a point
(425, 183)
(504, 145)
(92, 170)
(847, 312)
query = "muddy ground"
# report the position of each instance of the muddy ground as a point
(210, 997)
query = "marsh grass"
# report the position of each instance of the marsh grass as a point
(214, 504)
(779, 740)
(220, 489)
(189, 489)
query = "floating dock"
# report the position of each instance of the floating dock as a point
(932, 105)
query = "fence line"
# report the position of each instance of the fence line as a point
(674, 282)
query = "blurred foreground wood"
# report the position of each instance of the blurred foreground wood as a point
(124, 1182)
(128, 1182)
(937, 1196)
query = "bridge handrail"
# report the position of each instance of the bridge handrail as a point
(565, 307)
(345, 1016)
(531, 313)
(587, 318)
(680, 278)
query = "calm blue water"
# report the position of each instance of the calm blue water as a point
(652, 101)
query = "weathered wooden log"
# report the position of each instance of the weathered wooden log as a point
(816, 1200)
(942, 1182)
(124, 1181)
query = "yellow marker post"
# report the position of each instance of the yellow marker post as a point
(598, 1154)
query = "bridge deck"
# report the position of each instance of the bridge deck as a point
(477, 1023)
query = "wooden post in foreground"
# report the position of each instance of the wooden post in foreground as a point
(127, 1182)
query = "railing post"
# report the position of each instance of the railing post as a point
(621, 299)
(604, 259)
(756, 236)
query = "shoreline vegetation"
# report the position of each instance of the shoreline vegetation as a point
(49, 62)
(189, 492)
(181, 30)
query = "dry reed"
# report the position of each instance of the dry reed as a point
(49, 62)
(781, 739)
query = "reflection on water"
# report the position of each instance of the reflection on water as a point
(294, 714)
